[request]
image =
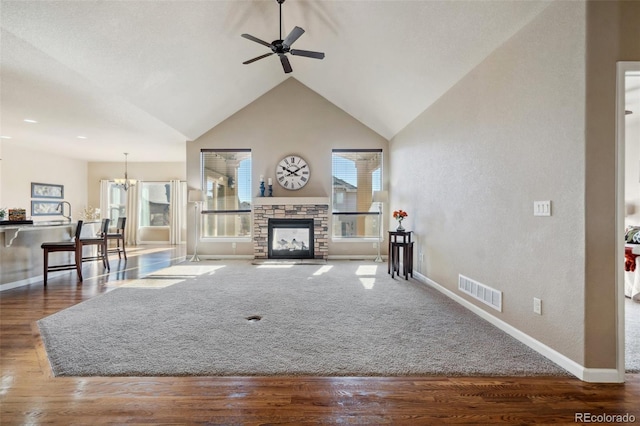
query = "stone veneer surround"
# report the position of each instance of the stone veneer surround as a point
(265, 208)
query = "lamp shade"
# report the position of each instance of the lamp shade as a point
(380, 196)
(196, 196)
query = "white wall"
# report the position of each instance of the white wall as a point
(470, 167)
(21, 167)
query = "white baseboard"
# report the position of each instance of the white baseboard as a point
(595, 375)
(222, 256)
(153, 243)
(251, 257)
(31, 280)
(16, 284)
(602, 375)
(355, 257)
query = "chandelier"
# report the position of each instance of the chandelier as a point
(125, 183)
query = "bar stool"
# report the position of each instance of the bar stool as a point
(400, 247)
(99, 240)
(74, 245)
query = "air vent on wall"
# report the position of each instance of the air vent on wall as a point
(481, 292)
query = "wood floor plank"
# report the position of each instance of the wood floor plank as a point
(29, 394)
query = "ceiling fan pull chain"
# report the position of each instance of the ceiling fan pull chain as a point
(280, 20)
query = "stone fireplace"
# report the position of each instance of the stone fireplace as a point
(314, 211)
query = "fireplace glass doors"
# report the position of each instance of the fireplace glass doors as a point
(290, 239)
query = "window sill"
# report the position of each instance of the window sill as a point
(226, 239)
(355, 240)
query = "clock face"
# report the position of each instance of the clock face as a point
(292, 172)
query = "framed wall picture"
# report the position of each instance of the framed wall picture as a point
(45, 208)
(47, 190)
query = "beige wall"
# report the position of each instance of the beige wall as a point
(535, 121)
(21, 167)
(613, 34)
(289, 119)
(470, 167)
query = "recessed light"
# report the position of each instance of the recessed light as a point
(28, 120)
(82, 137)
(5, 137)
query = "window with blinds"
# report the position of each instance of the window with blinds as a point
(226, 182)
(356, 174)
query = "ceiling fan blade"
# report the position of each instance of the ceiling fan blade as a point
(285, 63)
(259, 57)
(307, 53)
(257, 40)
(295, 34)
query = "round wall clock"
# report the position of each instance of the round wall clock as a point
(292, 172)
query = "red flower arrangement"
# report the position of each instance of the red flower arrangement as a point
(400, 214)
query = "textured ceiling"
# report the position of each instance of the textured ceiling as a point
(145, 76)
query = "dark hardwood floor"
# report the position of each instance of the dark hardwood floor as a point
(29, 395)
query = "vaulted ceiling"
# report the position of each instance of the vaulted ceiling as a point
(145, 77)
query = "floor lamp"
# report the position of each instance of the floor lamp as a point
(196, 197)
(380, 197)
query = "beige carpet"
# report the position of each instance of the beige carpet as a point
(234, 318)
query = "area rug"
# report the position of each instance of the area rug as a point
(238, 319)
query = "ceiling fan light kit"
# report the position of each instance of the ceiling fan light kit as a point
(283, 46)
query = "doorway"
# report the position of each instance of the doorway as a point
(627, 99)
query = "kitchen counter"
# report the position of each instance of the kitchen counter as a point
(21, 257)
(10, 231)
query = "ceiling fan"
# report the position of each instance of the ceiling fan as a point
(282, 47)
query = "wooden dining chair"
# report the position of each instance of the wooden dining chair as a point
(119, 237)
(74, 245)
(100, 240)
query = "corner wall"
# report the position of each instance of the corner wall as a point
(613, 34)
(470, 167)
